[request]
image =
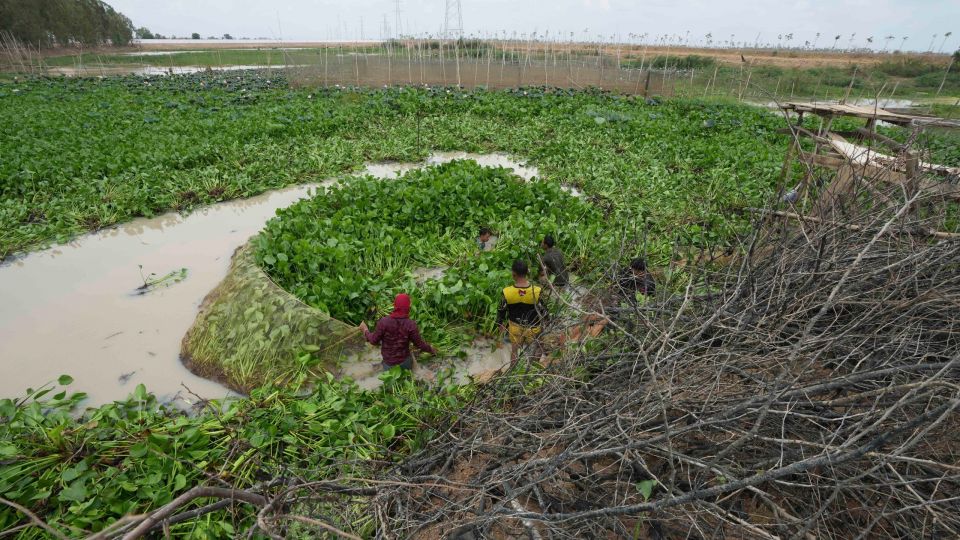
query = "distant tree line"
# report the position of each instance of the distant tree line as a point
(49, 23)
(145, 33)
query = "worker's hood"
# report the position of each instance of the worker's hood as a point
(401, 306)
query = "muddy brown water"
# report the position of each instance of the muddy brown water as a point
(95, 70)
(71, 309)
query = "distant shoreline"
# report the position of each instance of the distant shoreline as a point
(784, 58)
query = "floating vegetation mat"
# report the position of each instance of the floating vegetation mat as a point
(250, 332)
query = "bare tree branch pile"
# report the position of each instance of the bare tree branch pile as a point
(812, 394)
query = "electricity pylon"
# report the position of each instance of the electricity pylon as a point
(396, 27)
(453, 20)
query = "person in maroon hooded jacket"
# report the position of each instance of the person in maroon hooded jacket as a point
(395, 333)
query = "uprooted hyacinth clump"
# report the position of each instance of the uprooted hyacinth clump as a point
(350, 250)
(84, 472)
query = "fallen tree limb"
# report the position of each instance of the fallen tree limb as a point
(793, 215)
(33, 518)
(198, 492)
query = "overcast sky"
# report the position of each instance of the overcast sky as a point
(745, 19)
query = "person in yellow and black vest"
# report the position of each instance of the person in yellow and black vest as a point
(520, 313)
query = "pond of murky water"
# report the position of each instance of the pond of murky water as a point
(144, 71)
(73, 308)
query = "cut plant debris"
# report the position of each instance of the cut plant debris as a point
(152, 281)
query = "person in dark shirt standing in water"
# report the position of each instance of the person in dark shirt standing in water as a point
(637, 279)
(486, 241)
(520, 308)
(394, 333)
(553, 264)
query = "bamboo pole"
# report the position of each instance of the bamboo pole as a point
(850, 86)
(712, 81)
(456, 54)
(489, 50)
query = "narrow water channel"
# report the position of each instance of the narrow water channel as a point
(73, 308)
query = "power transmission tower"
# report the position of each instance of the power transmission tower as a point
(396, 27)
(453, 20)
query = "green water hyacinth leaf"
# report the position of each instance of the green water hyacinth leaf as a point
(64, 380)
(72, 473)
(646, 488)
(76, 492)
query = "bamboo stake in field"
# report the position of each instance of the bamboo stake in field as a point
(456, 54)
(409, 64)
(475, 58)
(850, 86)
(523, 66)
(745, 85)
(356, 66)
(420, 56)
(489, 50)
(503, 61)
(546, 63)
(443, 63)
(600, 60)
(943, 81)
(712, 81)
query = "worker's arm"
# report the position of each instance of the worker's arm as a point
(418, 340)
(649, 285)
(540, 308)
(545, 269)
(375, 337)
(502, 311)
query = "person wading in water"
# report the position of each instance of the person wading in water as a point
(552, 263)
(394, 334)
(521, 310)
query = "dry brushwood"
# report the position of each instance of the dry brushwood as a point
(809, 390)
